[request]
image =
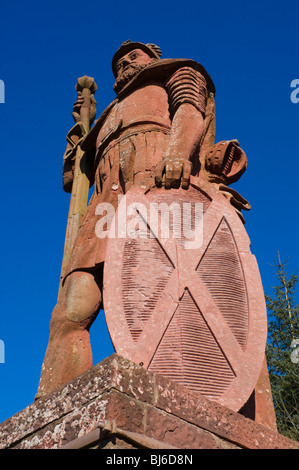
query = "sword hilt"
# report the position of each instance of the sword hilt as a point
(86, 87)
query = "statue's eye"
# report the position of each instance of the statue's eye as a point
(133, 56)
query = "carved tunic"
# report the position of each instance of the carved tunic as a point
(131, 141)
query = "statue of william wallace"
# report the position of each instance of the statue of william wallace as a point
(195, 315)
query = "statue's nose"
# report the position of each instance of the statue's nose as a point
(125, 63)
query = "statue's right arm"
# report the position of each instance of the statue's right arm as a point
(69, 157)
(68, 168)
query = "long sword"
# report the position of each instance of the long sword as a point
(86, 87)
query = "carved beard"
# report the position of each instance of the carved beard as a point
(127, 75)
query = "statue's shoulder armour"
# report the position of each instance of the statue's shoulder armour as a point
(170, 73)
(187, 85)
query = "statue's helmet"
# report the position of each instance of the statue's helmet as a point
(151, 49)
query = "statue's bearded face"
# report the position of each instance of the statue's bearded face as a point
(129, 65)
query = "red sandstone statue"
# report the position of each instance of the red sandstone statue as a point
(158, 136)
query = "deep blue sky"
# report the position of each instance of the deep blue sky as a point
(251, 51)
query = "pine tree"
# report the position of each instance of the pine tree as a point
(282, 351)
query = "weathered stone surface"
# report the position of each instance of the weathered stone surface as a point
(166, 427)
(140, 402)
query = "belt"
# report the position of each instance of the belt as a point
(119, 133)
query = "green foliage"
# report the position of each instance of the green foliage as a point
(281, 351)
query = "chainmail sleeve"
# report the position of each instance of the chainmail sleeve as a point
(187, 85)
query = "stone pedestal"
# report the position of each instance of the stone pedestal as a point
(119, 405)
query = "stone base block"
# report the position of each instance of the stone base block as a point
(120, 405)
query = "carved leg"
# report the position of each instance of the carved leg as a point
(260, 406)
(69, 352)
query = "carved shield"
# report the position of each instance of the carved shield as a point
(191, 309)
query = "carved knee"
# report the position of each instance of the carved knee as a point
(83, 296)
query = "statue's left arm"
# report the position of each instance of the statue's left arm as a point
(187, 95)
